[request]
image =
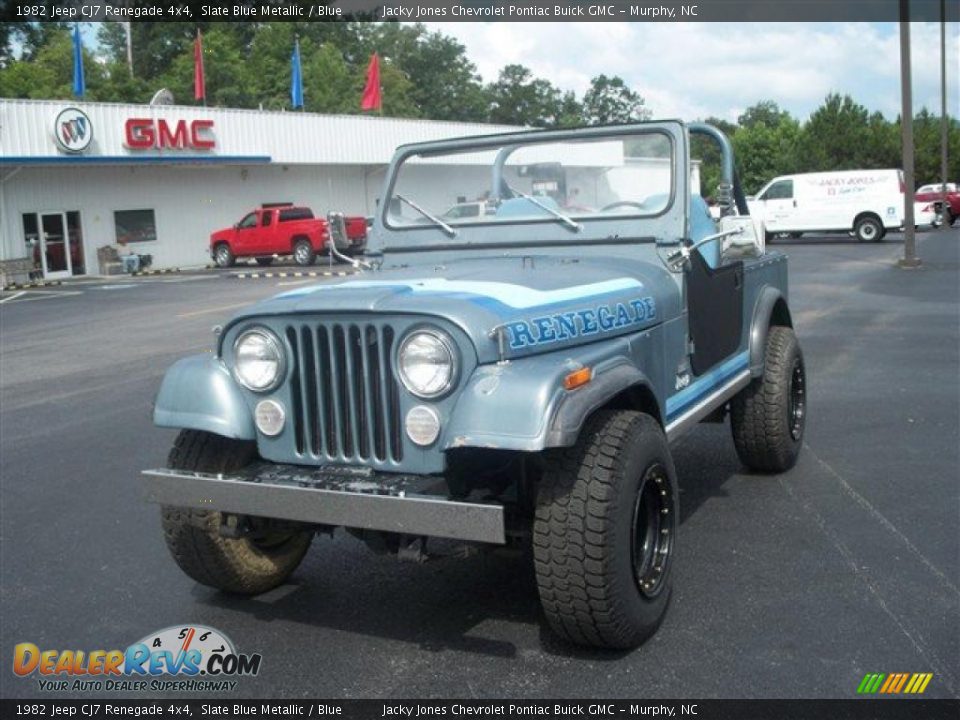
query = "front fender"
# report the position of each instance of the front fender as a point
(770, 309)
(198, 393)
(522, 404)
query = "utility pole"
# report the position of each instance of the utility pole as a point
(944, 213)
(126, 27)
(909, 259)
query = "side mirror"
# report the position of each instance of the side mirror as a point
(748, 241)
(236, 226)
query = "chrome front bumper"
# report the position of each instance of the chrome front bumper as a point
(411, 505)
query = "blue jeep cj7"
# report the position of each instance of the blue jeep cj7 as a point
(507, 377)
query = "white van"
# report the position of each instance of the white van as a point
(865, 202)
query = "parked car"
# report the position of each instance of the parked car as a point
(468, 210)
(867, 203)
(933, 195)
(282, 229)
(513, 382)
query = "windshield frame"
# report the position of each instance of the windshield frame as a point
(590, 221)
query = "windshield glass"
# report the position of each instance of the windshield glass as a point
(567, 182)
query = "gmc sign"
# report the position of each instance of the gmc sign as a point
(147, 133)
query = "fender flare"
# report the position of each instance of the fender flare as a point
(572, 412)
(770, 309)
(198, 393)
(522, 405)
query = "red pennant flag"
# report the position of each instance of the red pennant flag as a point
(199, 83)
(371, 91)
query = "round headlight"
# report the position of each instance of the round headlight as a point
(427, 363)
(258, 360)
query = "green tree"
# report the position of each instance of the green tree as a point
(764, 152)
(836, 137)
(49, 73)
(518, 98)
(609, 100)
(225, 72)
(443, 83)
(765, 113)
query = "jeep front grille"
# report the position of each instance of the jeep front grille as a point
(346, 405)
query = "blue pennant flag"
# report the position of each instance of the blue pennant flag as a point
(296, 78)
(79, 84)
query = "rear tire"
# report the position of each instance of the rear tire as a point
(235, 565)
(604, 532)
(223, 256)
(768, 416)
(303, 253)
(868, 229)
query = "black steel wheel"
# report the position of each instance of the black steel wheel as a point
(768, 416)
(604, 532)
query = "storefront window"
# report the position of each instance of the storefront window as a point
(135, 226)
(75, 237)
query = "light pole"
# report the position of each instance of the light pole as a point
(944, 213)
(909, 259)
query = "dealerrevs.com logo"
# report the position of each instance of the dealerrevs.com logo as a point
(177, 658)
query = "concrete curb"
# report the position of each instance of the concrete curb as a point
(39, 283)
(319, 273)
(163, 271)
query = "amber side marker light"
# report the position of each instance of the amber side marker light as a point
(577, 378)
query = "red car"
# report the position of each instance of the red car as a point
(933, 194)
(282, 229)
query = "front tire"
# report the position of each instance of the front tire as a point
(768, 416)
(243, 565)
(868, 229)
(604, 532)
(223, 256)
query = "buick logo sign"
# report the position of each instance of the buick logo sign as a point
(73, 130)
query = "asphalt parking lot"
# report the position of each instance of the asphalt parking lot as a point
(791, 586)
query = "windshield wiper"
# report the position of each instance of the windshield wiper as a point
(429, 216)
(568, 221)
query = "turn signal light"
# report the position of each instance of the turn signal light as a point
(577, 378)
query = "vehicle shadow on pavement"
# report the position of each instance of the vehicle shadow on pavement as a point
(484, 604)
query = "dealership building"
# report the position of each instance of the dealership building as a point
(158, 179)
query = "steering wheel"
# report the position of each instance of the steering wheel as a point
(622, 203)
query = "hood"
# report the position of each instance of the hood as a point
(221, 234)
(508, 305)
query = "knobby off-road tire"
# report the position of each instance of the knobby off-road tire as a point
(768, 416)
(604, 532)
(236, 565)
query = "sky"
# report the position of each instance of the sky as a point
(695, 70)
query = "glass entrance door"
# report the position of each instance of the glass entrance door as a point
(54, 251)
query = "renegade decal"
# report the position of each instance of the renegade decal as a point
(578, 323)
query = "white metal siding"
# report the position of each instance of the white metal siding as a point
(26, 129)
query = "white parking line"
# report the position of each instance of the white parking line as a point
(13, 297)
(214, 310)
(32, 295)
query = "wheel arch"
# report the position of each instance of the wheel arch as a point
(771, 309)
(868, 214)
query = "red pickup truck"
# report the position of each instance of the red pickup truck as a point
(933, 194)
(282, 229)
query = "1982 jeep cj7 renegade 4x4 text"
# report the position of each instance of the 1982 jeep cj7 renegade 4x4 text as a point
(513, 377)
